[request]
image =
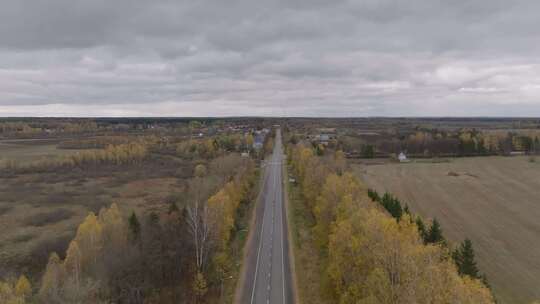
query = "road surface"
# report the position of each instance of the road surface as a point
(267, 272)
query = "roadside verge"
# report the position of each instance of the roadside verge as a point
(248, 255)
(290, 240)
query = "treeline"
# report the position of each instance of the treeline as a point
(46, 127)
(130, 153)
(463, 255)
(369, 257)
(433, 142)
(219, 145)
(123, 154)
(203, 148)
(176, 255)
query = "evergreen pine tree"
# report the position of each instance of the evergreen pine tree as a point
(464, 257)
(392, 205)
(434, 234)
(386, 201)
(134, 227)
(374, 195)
(397, 211)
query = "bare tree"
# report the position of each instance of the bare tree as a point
(199, 228)
(198, 221)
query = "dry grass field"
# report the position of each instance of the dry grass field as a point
(25, 150)
(39, 211)
(494, 201)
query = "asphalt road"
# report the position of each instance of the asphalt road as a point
(268, 276)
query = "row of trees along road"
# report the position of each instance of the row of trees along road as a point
(369, 256)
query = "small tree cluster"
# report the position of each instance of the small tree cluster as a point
(197, 149)
(389, 202)
(392, 205)
(212, 147)
(463, 255)
(433, 235)
(123, 154)
(15, 291)
(98, 244)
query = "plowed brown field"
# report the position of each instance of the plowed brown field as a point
(494, 201)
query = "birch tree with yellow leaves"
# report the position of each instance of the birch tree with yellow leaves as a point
(76, 278)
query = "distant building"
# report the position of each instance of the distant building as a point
(324, 137)
(402, 158)
(327, 130)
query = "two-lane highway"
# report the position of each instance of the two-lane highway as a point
(268, 275)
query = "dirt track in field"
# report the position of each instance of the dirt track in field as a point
(494, 201)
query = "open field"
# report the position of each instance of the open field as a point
(24, 151)
(491, 200)
(39, 212)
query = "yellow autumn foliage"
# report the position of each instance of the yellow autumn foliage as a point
(95, 235)
(23, 287)
(222, 209)
(326, 205)
(52, 278)
(113, 154)
(9, 295)
(371, 257)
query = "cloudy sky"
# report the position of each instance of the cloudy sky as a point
(264, 57)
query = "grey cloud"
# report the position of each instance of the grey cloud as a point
(240, 57)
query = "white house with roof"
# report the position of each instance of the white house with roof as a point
(402, 158)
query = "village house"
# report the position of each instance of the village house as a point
(403, 158)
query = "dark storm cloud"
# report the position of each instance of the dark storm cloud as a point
(317, 58)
